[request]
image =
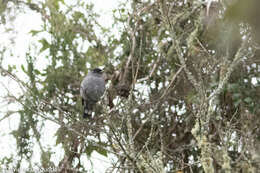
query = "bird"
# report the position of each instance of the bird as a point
(92, 89)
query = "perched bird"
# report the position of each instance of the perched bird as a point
(91, 89)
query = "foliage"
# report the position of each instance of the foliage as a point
(182, 92)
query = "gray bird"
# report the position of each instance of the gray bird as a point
(91, 89)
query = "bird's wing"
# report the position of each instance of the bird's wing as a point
(92, 88)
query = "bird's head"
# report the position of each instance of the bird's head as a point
(97, 71)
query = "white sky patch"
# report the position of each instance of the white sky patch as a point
(153, 85)
(143, 89)
(254, 80)
(104, 8)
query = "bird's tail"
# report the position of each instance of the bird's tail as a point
(86, 113)
(87, 109)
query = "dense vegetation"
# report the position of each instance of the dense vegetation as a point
(182, 86)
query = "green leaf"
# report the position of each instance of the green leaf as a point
(101, 151)
(78, 15)
(89, 150)
(11, 68)
(34, 32)
(22, 67)
(122, 10)
(236, 95)
(45, 45)
(37, 71)
(237, 102)
(248, 99)
(233, 86)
